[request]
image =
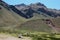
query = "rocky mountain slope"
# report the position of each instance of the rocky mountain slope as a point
(29, 17)
(8, 17)
(38, 8)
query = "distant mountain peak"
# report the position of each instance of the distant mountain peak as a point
(38, 4)
(20, 5)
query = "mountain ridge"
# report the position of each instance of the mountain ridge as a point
(28, 11)
(37, 8)
(26, 17)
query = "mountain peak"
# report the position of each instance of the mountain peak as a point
(40, 4)
(20, 5)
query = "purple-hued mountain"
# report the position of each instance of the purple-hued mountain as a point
(28, 11)
(38, 8)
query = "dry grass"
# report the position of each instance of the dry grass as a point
(36, 25)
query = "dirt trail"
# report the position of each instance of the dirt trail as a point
(8, 37)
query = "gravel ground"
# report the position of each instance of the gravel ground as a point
(8, 37)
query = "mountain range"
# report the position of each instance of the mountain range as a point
(36, 16)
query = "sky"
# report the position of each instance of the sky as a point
(54, 4)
